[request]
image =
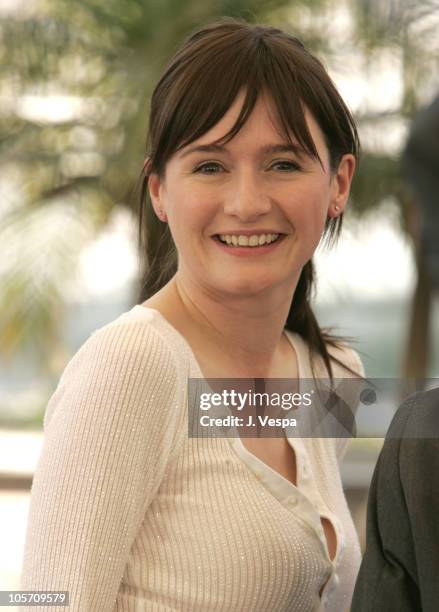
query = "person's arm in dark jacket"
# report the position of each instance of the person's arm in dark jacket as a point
(400, 567)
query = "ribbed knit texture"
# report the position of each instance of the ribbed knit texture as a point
(129, 514)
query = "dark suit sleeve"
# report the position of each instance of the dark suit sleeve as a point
(387, 580)
(419, 471)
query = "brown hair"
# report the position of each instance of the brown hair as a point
(223, 57)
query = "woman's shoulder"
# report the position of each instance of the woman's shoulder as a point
(133, 351)
(136, 333)
(347, 362)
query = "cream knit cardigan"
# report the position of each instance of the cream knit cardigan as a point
(128, 513)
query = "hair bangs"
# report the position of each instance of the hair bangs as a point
(281, 85)
(200, 111)
(259, 71)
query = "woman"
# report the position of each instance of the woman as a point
(249, 140)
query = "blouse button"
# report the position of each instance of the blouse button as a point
(334, 582)
(292, 501)
(305, 470)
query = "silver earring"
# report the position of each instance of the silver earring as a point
(337, 208)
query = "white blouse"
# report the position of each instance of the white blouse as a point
(129, 513)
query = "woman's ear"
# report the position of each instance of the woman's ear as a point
(341, 185)
(155, 189)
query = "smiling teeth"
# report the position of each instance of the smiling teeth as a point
(254, 240)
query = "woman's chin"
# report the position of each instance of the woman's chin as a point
(241, 285)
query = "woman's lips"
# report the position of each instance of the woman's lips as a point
(246, 250)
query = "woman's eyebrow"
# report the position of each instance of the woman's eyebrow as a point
(265, 150)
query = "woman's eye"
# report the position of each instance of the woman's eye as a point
(215, 168)
(207, 166)
(287, 165)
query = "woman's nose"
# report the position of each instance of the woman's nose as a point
(246, 198)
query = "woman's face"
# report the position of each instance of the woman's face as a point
(248, 187)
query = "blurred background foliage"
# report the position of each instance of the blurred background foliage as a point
(75, 80)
